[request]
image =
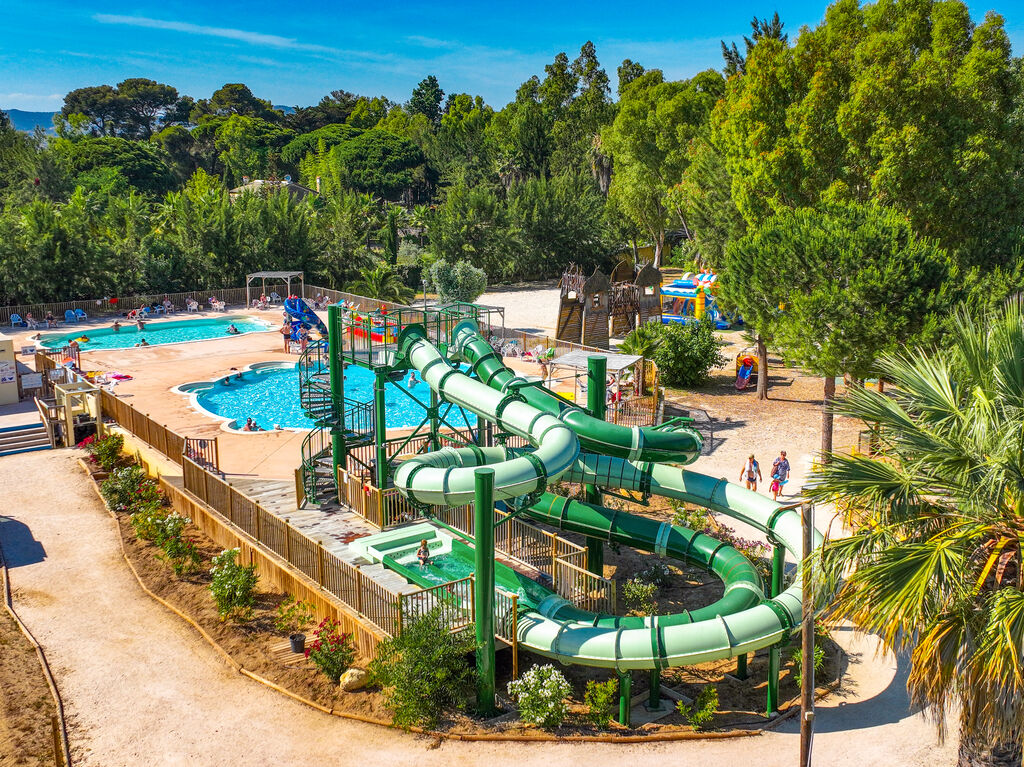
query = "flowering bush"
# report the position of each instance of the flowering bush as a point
(105, 451)
(541, 696)
(177, 550)
(658, 573)
(146, 520)
(129, 489)
(233, 586)
(331, 651)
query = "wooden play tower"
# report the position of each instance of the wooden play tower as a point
(592, 309)
(583, 307)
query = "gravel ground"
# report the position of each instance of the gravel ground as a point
(141, 687)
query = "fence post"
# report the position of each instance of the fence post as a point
(320, 563)
(515, 636)
(206, 489)
(259, 531)
(287, 541)
(359, 590)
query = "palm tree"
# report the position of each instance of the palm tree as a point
(933, 565)
(420, 220)
(642, 340)
(381, 282)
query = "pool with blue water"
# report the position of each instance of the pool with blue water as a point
(269, 394)
(155, 332)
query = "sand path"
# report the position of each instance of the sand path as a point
(141, 688)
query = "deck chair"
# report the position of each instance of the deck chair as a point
(191, 305)
(80, 315)
(16, 321)
(274, 298)
(70, 317)
(31, 322)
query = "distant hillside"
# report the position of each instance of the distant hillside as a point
(27, 121)
(286, 110)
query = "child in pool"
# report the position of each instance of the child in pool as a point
(423, 553)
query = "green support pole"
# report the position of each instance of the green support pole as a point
(597, 388)
(435, 444)
(337, 373)
(741, 666)
(483, 589)
(775, 651)
(654, 694)
(380, 429)
(625, 695)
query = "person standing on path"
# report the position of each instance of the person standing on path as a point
(781, 469)
(751, 473)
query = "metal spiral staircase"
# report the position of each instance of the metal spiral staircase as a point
(353, 419)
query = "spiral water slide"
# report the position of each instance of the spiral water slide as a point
(612, 456)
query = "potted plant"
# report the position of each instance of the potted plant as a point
(292, 618)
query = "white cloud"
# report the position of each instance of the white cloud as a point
(227, 33)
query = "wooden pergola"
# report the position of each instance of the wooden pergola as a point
(285, 277)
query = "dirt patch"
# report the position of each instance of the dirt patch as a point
(26, 706)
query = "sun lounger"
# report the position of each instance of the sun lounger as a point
(16, 321)
(70, 317)
(80, 315)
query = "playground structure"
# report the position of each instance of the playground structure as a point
(593, 309)
(525, 437)
(692, 297)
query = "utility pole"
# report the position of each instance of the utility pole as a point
(807, 639)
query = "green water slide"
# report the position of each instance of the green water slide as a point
(742, 621)
(680, 444)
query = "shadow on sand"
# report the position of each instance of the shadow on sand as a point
(19, 546)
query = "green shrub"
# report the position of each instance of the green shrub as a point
(541, 695)
(460, 281)
(293, 616)
(703, 709)
(128, 489)
(639, 597)
(697, 520)
(598, 698)
(106, 451)
(233, 586)
(331, 651)
(687, 353)
(798, 657)
(423, 671)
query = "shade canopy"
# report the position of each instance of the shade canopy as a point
(616, 363)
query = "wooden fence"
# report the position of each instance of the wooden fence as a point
(107, 307)
(166, 440)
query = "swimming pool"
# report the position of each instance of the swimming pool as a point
(156, 333)
(268, 392)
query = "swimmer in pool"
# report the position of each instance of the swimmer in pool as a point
(413, 380)
(423, 553)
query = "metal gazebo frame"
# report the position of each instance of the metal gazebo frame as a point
(264, 276)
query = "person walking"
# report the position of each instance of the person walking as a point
(780, 473)
(751, 473)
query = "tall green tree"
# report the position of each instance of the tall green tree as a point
(849, 282)
(905, 102)
(426, 99)
(647, 143)
(933, 564)
(250, 146)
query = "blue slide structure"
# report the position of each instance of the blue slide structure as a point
(302, 315)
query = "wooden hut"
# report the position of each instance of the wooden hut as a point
(635, 296)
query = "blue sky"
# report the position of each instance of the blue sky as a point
(294, 53)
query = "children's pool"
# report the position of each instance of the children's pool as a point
(156, 333)
(269, 394)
